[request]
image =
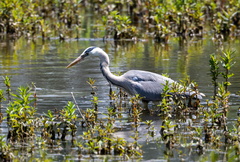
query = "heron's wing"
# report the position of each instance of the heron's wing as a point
(147, 84)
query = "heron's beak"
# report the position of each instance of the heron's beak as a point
(75, 61)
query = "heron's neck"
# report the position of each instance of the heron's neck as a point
(104, 65)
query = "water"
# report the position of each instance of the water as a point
(44, 63)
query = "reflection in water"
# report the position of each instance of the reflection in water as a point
(44, 64)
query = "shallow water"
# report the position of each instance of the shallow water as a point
(44, 63)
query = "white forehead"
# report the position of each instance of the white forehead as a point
(95, 51)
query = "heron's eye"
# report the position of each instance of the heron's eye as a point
(86, 54)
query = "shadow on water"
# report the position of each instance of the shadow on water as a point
(44, 62)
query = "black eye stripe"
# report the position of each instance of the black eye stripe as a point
(89, 49)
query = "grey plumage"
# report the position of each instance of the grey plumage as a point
(147, 84)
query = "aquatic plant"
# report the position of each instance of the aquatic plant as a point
(214, 69)
(167, 132)
(159, 20)
(2, 98)
(8, 85)
(60, 124)
(153, 19)
(183, 125)
(180, 104)
(162, 19)
(151, 129)
(174, 102)
(21, 115)
(165, 105)
(227, 63)
(136, 119)
(91, 82)
(24, 125)
(221, 93)
(49, 130)
(44, 29)
(119, 26)
(223, 97)
(5, 150)
(29, 18)
(99, 139)
(68, 120)
(93, 113)
(198, 138)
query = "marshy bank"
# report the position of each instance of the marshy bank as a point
(39, 41)
(158, 20)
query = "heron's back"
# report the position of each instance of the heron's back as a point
(147, 84)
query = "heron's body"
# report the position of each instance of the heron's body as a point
(147, 84)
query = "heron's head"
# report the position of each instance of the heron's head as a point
(87, 52)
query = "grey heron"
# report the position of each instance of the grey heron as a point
(147, 84)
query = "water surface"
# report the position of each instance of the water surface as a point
(44, 63)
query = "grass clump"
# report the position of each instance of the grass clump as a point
(21, 116)
(52, 129)
(158, 20)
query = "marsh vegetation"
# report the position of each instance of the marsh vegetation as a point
(112, 125)
(158, 20)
